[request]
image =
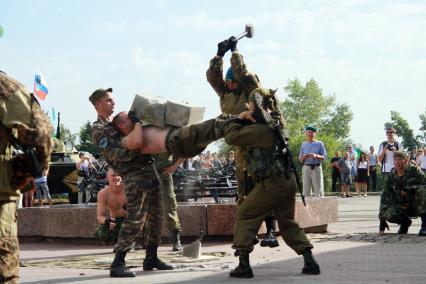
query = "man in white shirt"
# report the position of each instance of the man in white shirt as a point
(421, 161)
(386, 150)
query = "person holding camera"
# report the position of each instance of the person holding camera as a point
(386, 150)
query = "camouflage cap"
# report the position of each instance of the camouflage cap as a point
(99, 93)
(399, 155)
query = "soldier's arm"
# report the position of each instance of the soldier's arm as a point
(215, 76)
(101, 207)
(249, 81)
(134, 140)
(111, 149)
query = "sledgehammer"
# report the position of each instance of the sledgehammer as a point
(249, 32)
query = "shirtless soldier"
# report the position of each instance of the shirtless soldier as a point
(113, 200)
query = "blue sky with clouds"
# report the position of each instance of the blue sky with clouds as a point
(370, 54)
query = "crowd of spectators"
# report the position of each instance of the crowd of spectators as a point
(211, 161)
(359, 169)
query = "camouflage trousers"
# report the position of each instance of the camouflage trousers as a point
(396, 213)
(276, 194)
(105, 234)
(9, 246)
(169, 203)
(144, 207)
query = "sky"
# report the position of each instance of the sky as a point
(369, 54)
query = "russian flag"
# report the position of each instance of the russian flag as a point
(40, 86)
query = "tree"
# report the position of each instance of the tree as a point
(403, 130)
(306, 104)
(86, 143)
(422, 128)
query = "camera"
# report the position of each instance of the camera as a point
(390, 147)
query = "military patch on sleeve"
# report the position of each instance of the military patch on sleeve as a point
(103, 142)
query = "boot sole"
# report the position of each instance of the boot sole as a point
(240, 276)
(272, 245)
(314, 272)
(122, 276)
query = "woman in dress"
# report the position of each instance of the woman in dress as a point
(363, 169)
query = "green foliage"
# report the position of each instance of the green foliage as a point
(423, 129)
(306, 104)
(403, 130)
(86, 143)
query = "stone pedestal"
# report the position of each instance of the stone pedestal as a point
(79, 221)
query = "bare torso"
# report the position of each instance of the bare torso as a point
(154, 139)
(114, 199)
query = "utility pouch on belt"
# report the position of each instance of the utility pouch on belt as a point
(25, 161)
(258, 163)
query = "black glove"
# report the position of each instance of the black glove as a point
(232, 43)
(383, 225)
(222, 48)
(133, 117)
(107, 222)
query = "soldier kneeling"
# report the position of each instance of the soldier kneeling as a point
(403, 197)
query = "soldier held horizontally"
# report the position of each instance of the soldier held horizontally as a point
(275, 186)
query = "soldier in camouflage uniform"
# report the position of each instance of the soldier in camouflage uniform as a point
(140, 186)
(404, 196)
(234, 95)
(274, 186)
(163, 165)
(20, 112)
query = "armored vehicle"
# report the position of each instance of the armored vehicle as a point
(62, 176)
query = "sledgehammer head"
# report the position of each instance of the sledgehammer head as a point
(249, 32)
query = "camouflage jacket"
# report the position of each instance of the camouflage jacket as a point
(412, 179)
(232, 102)
(125, 162)
(20, 112)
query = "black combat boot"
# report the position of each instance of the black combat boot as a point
(259, 113)
(270, 240)
(152, 261)
(311, 266)
(243, 270)
(177, 246)
(403, 228)
(118, 266)
(422, 231)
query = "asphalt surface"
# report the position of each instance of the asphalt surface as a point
(351, 252)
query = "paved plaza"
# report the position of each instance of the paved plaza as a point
(351, 252)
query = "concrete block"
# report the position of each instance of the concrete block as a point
(160, 112)
(319, 211)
